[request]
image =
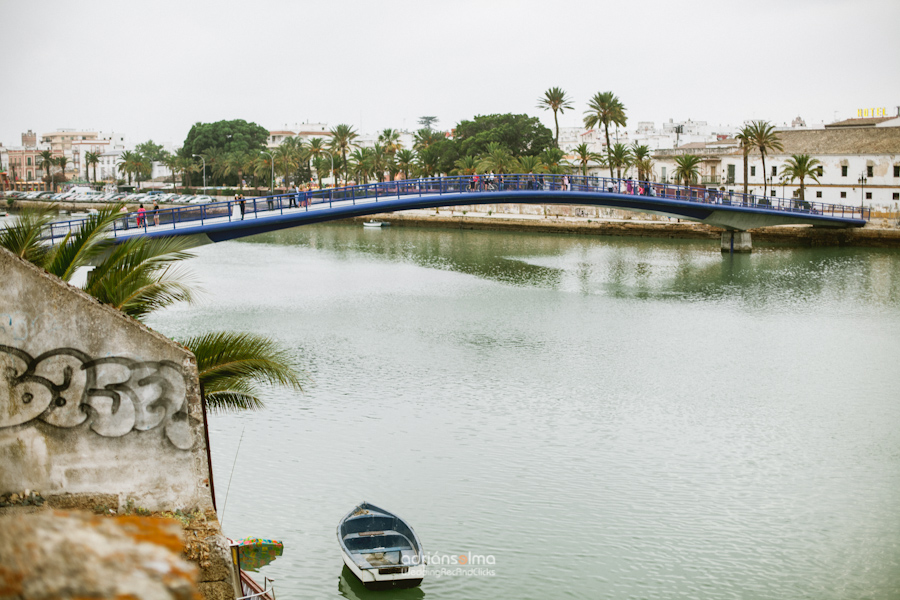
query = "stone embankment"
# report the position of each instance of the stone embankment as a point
(875, 235)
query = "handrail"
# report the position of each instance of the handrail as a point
(455, 185)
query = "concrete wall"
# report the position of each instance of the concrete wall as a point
(93, 402)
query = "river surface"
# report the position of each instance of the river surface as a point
(592, 417)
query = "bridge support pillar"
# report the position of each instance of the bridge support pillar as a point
(736, 241)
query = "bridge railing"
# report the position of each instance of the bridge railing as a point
(231, 210)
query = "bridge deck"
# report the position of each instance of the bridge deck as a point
(222, 220)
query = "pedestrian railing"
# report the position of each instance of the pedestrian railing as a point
(254, 208)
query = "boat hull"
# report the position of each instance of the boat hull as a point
(374, 580)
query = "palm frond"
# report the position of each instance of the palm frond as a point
(230, 365)
(22, 237)
(78, 248)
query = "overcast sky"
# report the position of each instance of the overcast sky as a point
(152, 69)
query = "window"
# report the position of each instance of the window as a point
(843, 170)
(752, 171)
(773, 192)
(843, 194)
(896, 170)
(896, 195)
(774, 171)
(663, 173)
(30, 176)
(868, 195)
(869, 171)
(820, 171)
(29, 161)
(731, 174)
(818, 194)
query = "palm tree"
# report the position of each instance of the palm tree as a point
(91, 159)
(171, 162)
(361, 164)
(764, 138)
(231, 365)
(46, 163)
(214, 157)
(128, 163)
(687, 168)
(555, 99)
(801, 166)
(141, 275)
(606, 109)
(287, 157)
(620, 157)
(187, 165)
(342, 138)
(467, 165)
(745, 137)
(498, 159)
(390, 139)
(424, 138)
(584, 156)
(405, 159)
(62, 162)
(235, 163)
(532, 164)
(640, 158)
(554, 161)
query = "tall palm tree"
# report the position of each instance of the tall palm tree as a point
(46, 163)
(801, 166)
(313, 150)
(584, 155)
(128, 164)
(235, 163)
(62, 162)
(687, 168)
(620, 157)
(555, 99)
(379, 161)
(745, 137)
(405, 159)
(231, 365)
(214, 157)
(361, 164)
(342, 138)
(554, 161)
(532, 164)
(390, 140)
(187, 165)
(764, 138)
(171, 162)
(287, 157)
(91, 159)
(606, 109)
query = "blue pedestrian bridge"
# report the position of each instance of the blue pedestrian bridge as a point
(220, 221)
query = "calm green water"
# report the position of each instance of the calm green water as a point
(605, 417)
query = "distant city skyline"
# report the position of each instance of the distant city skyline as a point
(109, 66)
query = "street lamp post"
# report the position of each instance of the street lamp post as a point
(332, 165)
(862, 192)
(204, 170)
(271, 181)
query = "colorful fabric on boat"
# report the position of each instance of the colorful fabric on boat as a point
(257, 552)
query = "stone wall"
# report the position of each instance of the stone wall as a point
(92, 402)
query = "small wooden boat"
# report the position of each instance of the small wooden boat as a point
(380, 548)
(375, 224)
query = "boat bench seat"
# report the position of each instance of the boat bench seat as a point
(382, 550)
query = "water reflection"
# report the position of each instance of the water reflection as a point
(351, 587)
(628, 268)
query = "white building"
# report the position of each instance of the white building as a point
(304, 131)
(860, 163)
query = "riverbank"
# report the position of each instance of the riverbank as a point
(872, 236)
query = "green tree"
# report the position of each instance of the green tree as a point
(91, 159)
(186, 165)
(150, 150)
(554, 161)
(521, 135)
(390, 140)
(425, 138)
(405, 160)
(467, 165)
(171, 162)
(764, 138)
(497, 159)
(314, 150)
(62, 162)
(555, 99)
(236, 163)
(687, 168)
(620, 158)
(229, 136)
(583, 155)
(47, 162)
(801, 166)
(532, 164)
(427, 122)
(745, 137)
(605, 109)
(640, 158)
(287, 157)
(342, 139)
(360, 163)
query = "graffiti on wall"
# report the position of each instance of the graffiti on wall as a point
(114, 395)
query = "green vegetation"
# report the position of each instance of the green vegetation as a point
(605, 109)
(141, 275)
(228, 136)
(687, 168)
(764, 138)
(555, 99)
(801, 166)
